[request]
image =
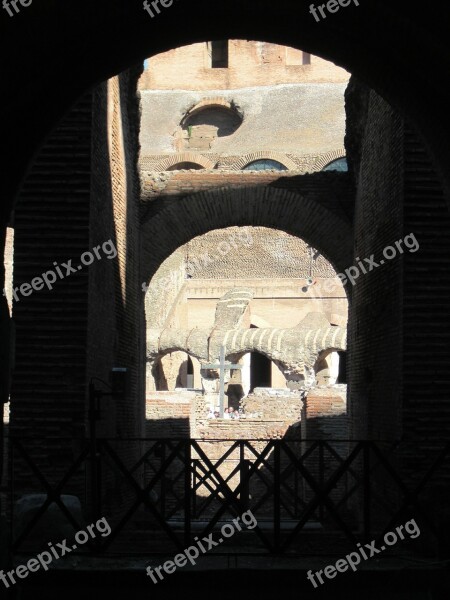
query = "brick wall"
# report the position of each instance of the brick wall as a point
(324, 415)
(375, 316)
(426, 298)
(182, 413)
(316, 208)
(250, 64)
(82, 191)
(52, 224)
(280, 405)
(334, 191)
(169, 414)
(115, 294)
(301, 163)
(398, 332)
(233, 252)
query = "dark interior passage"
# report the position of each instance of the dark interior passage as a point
(260, 371)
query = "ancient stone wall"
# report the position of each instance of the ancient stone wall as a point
(115, 294)
(375, 316)
(249, 64)
(426, 297)
(253, 253)
(170, 414)
(52, 225)
(324, 415)
(82, 191)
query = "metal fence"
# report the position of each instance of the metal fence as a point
(166, 491)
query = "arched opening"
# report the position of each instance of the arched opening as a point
(189, 373)
(339, 165)
(185, 166)
(342, 374)
(185, 296)
(260, 371)
(328, 367)
(202, 126)
(218, 52)
(265, 164)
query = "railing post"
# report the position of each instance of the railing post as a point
(187, 493)
(194, 486)
(244, 468)
(276, 495)
(321, 478)
(366, 499)
(163, 480)
(93, 416)
(12, 490)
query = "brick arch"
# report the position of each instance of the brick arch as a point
(262, 154)
(325, 159)
(216, 102)
(177, 221)
(191, 157)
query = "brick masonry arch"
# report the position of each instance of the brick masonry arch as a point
(182, 157)
(213, 102)
(264, 154)
(325, 159)
(179, 220)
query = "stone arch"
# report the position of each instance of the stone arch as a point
(261, 154)
(177, 221)
(220, 103)
(205, 123)
(182, 157)
(329, 157)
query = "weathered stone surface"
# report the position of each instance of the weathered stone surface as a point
(295, 350)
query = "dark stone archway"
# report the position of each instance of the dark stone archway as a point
(179, 220)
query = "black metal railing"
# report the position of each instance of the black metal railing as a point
(161, 492)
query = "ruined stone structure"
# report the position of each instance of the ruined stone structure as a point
(246, 123)
(295, 350)
(287, 279)
(244, 117)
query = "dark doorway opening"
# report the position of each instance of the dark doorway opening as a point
(219, 54)
(260, 371)
(190, 374)
(342, 376)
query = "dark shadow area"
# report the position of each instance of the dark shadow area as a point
(260, 371)
(264, 583)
